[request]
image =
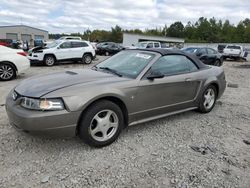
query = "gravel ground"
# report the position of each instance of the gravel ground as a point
(185, 150)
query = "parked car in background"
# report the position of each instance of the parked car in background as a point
(220, 48)
(149, 44)
(61, 50)
(12, 63)
(108, 48)
(38, 42)
(208, 56)
(131, 87)
(6, 42)
(70, 38)
(235, 52)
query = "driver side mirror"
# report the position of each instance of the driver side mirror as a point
(155, 75)
(58, 47)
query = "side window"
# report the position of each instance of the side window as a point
(150, 45)
(191, 65)
(211, 51)
(65, 45)
(78, 44)
(202, 51)
(84, 44)
(156, 45)
(171, 65)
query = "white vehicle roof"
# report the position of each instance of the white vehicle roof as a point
(69, 38)
(148, 41)
(72, 40)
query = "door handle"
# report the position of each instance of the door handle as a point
(188, 79)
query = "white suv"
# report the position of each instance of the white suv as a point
(61, 50)
(233, 52)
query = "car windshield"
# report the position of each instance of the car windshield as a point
(53, 44)
(190, 50)
(126, 63)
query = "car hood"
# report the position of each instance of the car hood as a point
(39, 86)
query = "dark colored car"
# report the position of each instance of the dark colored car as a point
(208, 56)
(131, 87)
(108, 48)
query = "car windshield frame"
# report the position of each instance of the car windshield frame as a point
(142, 57)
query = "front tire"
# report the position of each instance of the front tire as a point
(208, 99)
(87, 58)
(7, 72)
(49, 60)
(101, 124)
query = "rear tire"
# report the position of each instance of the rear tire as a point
(49, 60)
(7, 72)
(208, 99)
(101, 124)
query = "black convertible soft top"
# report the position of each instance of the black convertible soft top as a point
(163, 52)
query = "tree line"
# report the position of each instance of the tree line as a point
(203, 30)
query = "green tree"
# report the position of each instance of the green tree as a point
(176, 30)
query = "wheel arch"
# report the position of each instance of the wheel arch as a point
(113, 99)
(213, 83)
(216, 85)
(12, 64)
(47, 54)
(88, 53)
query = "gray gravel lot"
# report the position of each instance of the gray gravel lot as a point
(153, 154)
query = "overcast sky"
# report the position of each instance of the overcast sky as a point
(78, 15)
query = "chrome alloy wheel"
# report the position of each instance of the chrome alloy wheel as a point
(50, 61)
(104, 125)
(209, 98)
(6, 72)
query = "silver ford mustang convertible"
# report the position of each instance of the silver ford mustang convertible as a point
(133, 86)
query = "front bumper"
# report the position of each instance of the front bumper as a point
(34, 62)
(52, 123)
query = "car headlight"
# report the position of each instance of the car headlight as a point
(42, 104)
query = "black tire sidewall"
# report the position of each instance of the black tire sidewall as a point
(14, 72)
(88, 116)
(201, 104)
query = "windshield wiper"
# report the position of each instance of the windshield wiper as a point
(111, 70)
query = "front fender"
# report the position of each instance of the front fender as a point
(77, 103)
